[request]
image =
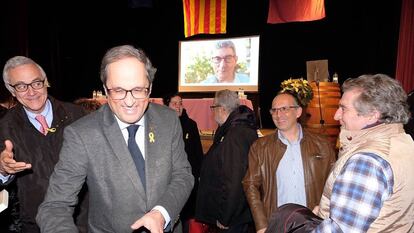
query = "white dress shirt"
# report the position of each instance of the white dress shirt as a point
(140, 139)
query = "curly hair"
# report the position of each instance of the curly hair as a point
(381, 93)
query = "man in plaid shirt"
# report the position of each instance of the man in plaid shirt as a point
(371, 186)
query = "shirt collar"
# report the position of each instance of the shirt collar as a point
(46, 111)
(123, 125)
(286, 141)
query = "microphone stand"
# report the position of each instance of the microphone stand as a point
(260, 118)
(321, 120)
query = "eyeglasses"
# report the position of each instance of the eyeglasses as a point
(227, 59)
(282, 109)
(22, 87)
(215, 106)
(120, 93)
(179, 103)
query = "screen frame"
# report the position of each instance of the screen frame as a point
(205, 47)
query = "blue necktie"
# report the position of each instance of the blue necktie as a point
(136, 153)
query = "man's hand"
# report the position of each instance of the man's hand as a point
(9, 166)
(153, 221)
(221, 226)
(262, 230)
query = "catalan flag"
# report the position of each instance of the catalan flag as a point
(283, 11)
(204, 17)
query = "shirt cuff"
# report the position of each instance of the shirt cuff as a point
(4, 179)
(164, 213)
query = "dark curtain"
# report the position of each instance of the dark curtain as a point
(405, 57)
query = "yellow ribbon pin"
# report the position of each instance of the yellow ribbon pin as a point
(52, 130)
(151, 137)
(186, 136)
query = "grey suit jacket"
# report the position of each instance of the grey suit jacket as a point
(95, 150)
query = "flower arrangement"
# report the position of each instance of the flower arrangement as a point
(300, 88)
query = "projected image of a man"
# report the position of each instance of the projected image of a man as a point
(224, 62)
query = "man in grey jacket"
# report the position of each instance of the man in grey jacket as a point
(130, 153)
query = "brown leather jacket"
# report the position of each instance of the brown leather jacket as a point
(318, 156)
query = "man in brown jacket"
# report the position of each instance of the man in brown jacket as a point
(289, 166)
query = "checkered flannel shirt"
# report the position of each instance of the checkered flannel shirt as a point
(359, 192)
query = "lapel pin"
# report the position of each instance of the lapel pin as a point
(151, 137)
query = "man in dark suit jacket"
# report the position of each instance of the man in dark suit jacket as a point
(123, 196)
(28, 155)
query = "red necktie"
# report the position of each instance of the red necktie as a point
(42, 120)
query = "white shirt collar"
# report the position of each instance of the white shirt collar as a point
(123, 125)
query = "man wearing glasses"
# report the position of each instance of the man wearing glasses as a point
(224, 61)
(289, 166)
(129, 152)
(221, 202)
(31, 136)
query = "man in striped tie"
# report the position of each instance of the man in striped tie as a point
(31, 136)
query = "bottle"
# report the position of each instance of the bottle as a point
(94, 94)
(241, 93)
(335, 78)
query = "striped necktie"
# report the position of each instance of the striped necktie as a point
(43, 124)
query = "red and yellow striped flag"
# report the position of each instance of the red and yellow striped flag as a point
(204, 16)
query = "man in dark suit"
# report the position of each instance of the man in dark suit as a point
(136, 182)
(29, 148)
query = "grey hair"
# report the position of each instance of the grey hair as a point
(381, 93)
(16, 62)
(125, 51)
(229, 100)
(226, 44)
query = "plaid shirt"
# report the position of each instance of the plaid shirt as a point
(365, 182)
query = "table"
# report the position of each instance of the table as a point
(199, 110)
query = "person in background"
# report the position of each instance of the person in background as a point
(288, 166)
(129, 152)
(7, 100)
(31, 134)
(221, 202)
(10, 221)
(194, 152)
(409, 126)
(89, 105)
(224, 61)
